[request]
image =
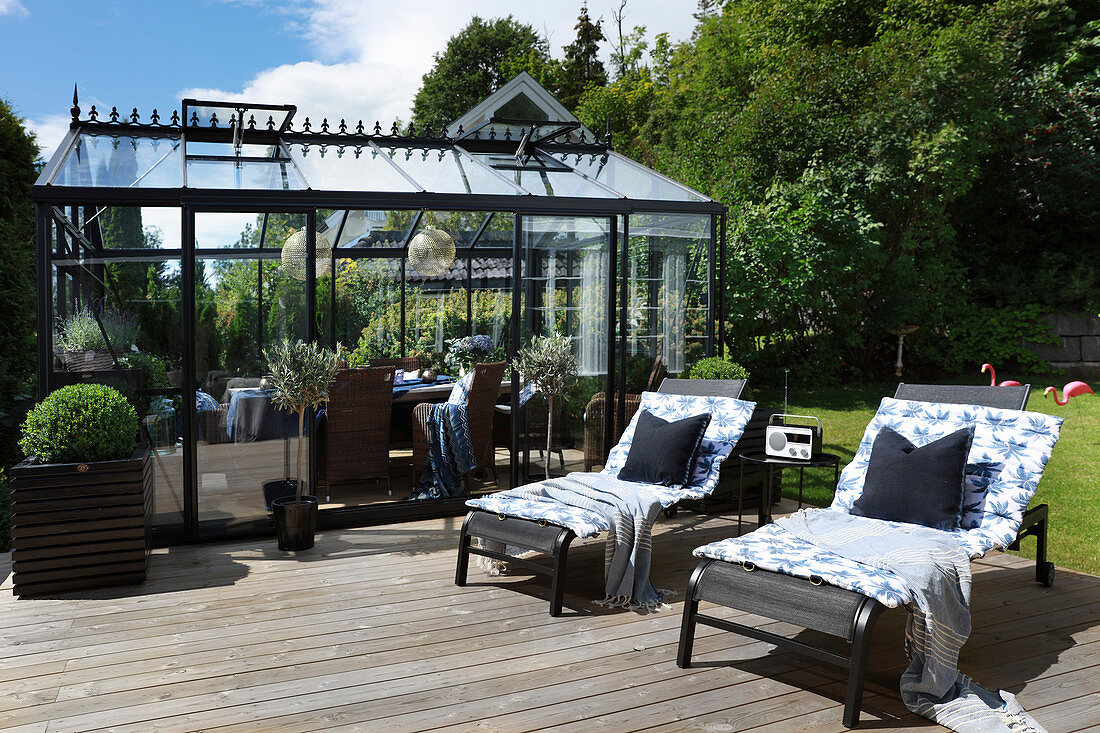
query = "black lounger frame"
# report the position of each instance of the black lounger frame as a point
(823, 607)
(551, 538)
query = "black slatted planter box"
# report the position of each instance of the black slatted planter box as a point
(81, 525)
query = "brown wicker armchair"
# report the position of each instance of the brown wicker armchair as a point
(355, 433)
(404, 363)
(479, 411)
(596, 411)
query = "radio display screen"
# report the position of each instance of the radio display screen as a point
(793, 437)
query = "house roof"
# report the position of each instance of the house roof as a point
(519, 98)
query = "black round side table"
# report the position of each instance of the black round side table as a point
(764, 510)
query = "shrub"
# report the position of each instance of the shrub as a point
(716, 368)
(79, 424)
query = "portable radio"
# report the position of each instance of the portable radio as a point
(793, 442)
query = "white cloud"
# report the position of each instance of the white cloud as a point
(49, 132)
(13, 8)
(370, 56)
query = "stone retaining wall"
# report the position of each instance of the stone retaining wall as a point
(1079, 351)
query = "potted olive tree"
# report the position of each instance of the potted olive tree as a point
(548, 363)
(83, 498)
(301, 374)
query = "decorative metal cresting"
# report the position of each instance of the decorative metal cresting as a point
(294, 255)
(431, 252)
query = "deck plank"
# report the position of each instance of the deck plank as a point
(368, 632)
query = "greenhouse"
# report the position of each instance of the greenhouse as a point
(174, 250)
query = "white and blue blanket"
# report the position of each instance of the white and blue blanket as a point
(450, 453)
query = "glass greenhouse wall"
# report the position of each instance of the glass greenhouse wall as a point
(172, 254)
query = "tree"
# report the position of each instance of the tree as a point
(581, 68)
(476, 62)
(914, 162)
(18, 153)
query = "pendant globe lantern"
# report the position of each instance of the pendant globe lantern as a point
(431, 252)
(294, 255)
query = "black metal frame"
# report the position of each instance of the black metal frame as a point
(191, 201)
(555, 543)
(818, 606)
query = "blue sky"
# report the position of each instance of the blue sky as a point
(336, 58)
(136, 53)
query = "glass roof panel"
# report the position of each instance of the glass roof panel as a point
(679, 226)
(121, 161)
(195, 147)
(442, 170)
(258, 175)
(351, 168)
(548, 182)
(627, 177)
(202, 114)
(363, 228)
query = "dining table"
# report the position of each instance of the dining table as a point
(253, 415)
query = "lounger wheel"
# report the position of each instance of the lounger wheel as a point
(1046, 574)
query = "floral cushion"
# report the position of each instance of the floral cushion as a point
(583, 522)
(728, 420)
(772, 548)
(460, 393)
(1006, 460)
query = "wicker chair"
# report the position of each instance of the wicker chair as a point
(355, 434)
(479, 412)
(404, 363)
(212, 424)
(594, 416)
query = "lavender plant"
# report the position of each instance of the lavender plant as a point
(81, 332)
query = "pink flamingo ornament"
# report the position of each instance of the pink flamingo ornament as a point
(993, 378)
(1072, 389)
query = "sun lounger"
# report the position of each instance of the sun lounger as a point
(844, 598)
(549, 529)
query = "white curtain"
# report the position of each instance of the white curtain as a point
(498, 315)
(593, 320)
(549, 295)
(674, 286)
(439, 325)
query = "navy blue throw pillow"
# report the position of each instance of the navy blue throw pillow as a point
(663, 452)
(922, 485)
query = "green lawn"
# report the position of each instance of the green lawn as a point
(1069, 485)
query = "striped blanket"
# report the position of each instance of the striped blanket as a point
(937, 572)
(450, 453)
(630, 509)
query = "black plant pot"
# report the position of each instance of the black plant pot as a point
(278, 490)
(295, 522)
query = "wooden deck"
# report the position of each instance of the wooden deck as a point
(367, 632)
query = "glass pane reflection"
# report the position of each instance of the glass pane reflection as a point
(122, 162)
